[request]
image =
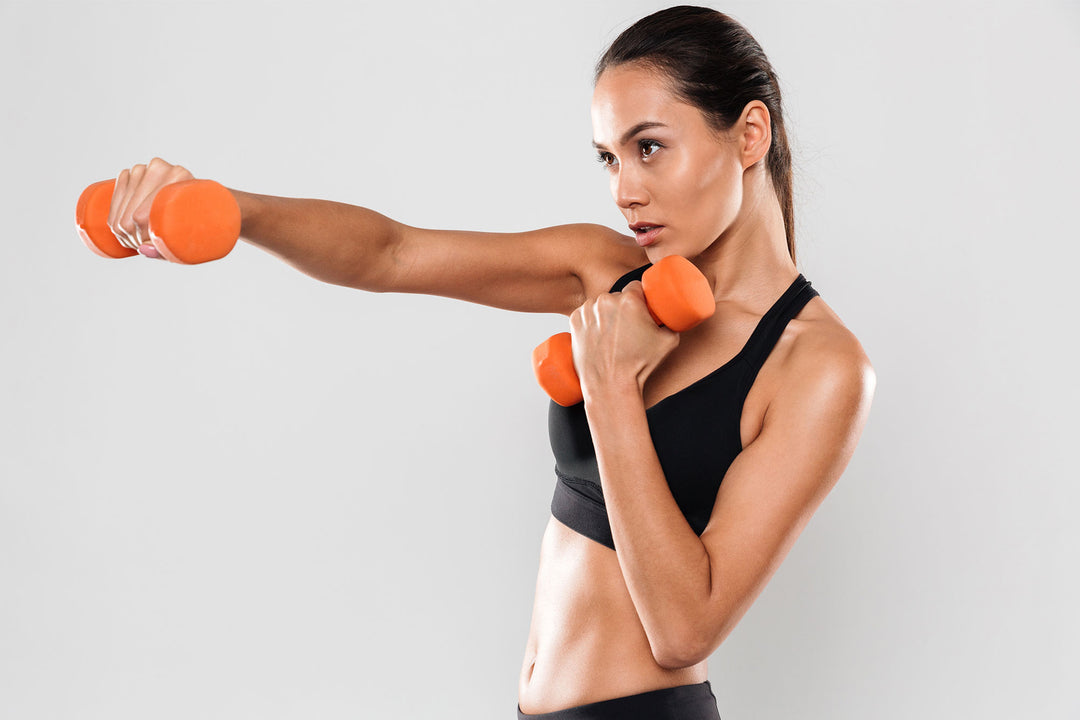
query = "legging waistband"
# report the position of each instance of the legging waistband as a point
(684, 702)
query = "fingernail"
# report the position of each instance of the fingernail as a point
(148, 250)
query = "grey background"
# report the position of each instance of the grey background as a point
(231, 491)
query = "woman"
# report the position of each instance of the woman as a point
(696, 459)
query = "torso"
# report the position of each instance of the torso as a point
(586, 642)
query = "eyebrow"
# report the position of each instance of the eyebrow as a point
(646, 125)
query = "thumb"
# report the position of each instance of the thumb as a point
(148, 250)
(636, 288)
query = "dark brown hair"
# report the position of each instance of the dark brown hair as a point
(716, 65)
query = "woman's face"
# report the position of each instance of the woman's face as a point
(667, 167)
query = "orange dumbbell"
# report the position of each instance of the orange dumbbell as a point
(678, 297)
(191, 221)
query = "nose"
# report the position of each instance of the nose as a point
(628, 188)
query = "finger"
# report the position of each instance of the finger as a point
(634, 294)
(140, 217)
(597, 310)
(123, 218)
(116, 205)
(136, 214)
(157, 175)
(635, 288)
(576, 316)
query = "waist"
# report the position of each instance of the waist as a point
(586, 642)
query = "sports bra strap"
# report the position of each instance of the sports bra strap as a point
(629, 277)
(771, 327)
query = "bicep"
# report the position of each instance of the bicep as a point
(551, 269)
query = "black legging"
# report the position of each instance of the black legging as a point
(685, 702)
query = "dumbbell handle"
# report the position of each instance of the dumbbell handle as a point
(678, 297)
(191, 221)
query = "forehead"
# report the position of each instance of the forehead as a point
(627, 94)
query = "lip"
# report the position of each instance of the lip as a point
(645, 239)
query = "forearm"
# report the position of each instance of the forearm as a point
(664, 563)
(330, 241)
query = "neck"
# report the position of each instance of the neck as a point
(749, 263)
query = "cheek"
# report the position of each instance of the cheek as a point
(711, 195)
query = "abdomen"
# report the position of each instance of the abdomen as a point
(586, 642)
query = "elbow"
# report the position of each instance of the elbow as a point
(376, 264)
(676, 655)
(693, 644)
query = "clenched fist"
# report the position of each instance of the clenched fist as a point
(129, 214)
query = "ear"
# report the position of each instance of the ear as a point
(755, 127)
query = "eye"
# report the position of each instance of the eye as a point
(605, 158)
(647, 148)
(644, 146)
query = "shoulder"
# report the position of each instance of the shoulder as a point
(825, 371)
(606, 255)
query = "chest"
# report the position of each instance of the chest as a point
(716, 347)
(703, 406)
(695, 432)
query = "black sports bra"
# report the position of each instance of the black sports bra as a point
(695, 431)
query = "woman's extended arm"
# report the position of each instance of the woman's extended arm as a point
(552, 269)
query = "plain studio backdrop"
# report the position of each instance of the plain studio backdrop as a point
(232, 491)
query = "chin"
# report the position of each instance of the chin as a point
(659, 251)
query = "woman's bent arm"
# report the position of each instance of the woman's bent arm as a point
(547, 270)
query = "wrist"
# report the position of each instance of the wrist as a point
(251, 207)
(614, 393)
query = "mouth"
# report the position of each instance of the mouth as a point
(645, 233)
